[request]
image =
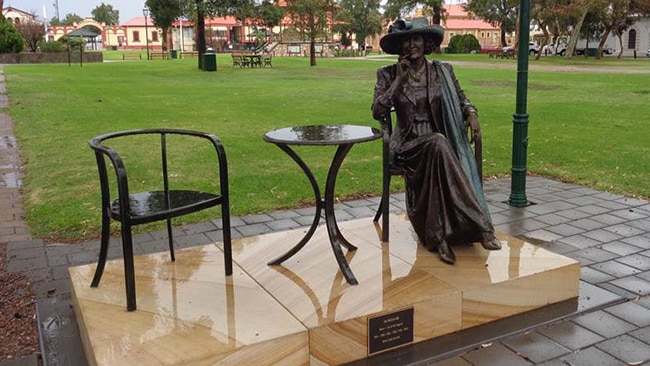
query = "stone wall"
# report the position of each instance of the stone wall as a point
(50, 57)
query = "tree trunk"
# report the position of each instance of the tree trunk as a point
(504, 42)
(571, 48)
(620, 43)
(200, 32)
(169, 40)
(312, 51)
(543, 47)
(164, 39)
(601, 44)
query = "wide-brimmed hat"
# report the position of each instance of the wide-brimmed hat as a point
(400, 29)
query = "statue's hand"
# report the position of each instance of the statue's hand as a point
(473, 126)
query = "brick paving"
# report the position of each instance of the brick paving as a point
(608, 233)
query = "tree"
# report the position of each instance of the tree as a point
(199, 9)
(501, 13)
(592, 27)
(105, 13)
(463, 43)
(33, 33)
(311, 18)
(579, 9)
(269, 14)
(69, 19)
(620, 15)
(360, 17)
(163, 14)
(10, 39)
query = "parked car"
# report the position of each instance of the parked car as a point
(647, 53)
(489, 48)
(533, 48)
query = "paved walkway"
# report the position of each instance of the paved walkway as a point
(608, 233)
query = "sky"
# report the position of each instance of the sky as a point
(128, 8)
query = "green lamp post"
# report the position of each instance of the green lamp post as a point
(520, 118)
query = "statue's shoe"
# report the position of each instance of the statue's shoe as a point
(490, 242)
(446, 254)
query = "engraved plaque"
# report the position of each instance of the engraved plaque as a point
(390, 330)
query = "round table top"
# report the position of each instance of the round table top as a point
(322, 135)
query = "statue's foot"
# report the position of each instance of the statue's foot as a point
(490, 242)
(446, 254)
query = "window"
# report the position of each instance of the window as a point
(631, 39)
(136, 36)
(154, 36)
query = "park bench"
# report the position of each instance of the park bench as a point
(192, 54)
(160, 55)
(131, 56)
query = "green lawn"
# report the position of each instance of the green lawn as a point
(590, 129)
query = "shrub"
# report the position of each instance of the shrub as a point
(465, 43)
(52, 46)
(72, 43)
(10, 40)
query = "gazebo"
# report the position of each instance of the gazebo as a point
(86, 34)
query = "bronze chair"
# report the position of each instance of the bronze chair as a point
(162, 203)
(389, 170)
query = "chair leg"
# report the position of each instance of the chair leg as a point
(129, 271)
(380, 210)
(170, 237)
(103, 250)
(227, 239)
(385, 227)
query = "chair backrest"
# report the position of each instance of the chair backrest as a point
(145, 157)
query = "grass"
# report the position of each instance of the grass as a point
(590, 129)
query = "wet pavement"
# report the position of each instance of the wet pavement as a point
(608, 233)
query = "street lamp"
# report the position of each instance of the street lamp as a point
(145, 12)
(520, 117)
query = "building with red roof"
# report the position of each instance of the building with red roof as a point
(458, 21)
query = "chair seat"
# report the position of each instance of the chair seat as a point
(151, 206)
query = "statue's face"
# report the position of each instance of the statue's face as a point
(413, 47)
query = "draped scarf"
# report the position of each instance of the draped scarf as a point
(453, 125)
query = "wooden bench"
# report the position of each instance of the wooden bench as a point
(132, 56)
(192, 54)
(160, 55)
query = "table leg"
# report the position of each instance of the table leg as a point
(318, 201)
(336, 238)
